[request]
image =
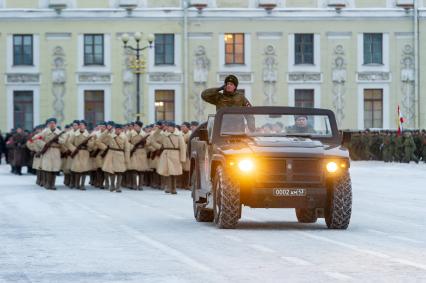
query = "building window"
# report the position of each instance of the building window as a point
(94, 107)
(164, 49)
(373, 48)
(304, 98)
(22, 50)
(234, 48)
(23, 106)
(304, 48)
(93, 49)
(165, 105)
(373, 108)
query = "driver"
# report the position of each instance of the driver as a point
(301, 126)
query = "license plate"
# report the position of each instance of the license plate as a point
(282, 192)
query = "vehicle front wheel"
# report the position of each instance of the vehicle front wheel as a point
(201, 214)
(306, 215)
(226, 201)
(339, 207)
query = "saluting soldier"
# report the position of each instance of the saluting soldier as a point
(138, 156)
(80, 145)
(51, 152)
(117, 157)
(172, 157)
(226, 95)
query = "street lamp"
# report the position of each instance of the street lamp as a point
(138, 65)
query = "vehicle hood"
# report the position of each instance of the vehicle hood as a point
(283, 146)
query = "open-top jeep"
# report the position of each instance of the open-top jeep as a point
(270, 157)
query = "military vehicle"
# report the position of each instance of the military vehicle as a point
(270, 157)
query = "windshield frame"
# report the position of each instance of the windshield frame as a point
(276, 110)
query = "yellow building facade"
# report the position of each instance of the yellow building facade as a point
(65, 58)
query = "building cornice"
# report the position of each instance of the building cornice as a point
(209, 14)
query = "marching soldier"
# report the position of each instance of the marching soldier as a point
(138, 156)
(51, 153)
(424, 146)
(72, 177)
(172, 157)
(80, 145)
(96, 154)
(35, 145)
(117, 157)
(65, 156)
(154, 146)
(226, 95)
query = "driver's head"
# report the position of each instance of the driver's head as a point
(301, 121)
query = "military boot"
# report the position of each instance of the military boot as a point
(118, 184)
(111, 182)
(72, 180)
(83, 182)
(52, 180)
(140, 181)
(173, 185)
(67, 179)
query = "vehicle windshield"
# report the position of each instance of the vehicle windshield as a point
(276, 125)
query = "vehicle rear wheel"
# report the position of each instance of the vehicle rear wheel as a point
(306, 215)
(201, 214)
(339, 207)
(226, 201)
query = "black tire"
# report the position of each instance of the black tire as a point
(200, 214)
(339, 207)
(226, 201)
(306, 215)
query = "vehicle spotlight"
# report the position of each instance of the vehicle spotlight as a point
(246, 165)
(331, 167)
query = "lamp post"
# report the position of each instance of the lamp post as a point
(138, 65)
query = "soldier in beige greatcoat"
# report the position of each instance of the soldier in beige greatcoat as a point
(81, 143)
(35, 145)
(186, 132)
(154, 147)
(117, 157)
(138, 158)
(52, 139)
(172, 157)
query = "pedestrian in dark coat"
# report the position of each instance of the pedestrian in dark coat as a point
(20, 151)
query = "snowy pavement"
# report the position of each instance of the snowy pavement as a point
(98, 236)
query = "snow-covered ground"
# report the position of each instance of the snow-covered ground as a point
(98, 236)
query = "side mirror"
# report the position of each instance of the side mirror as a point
(346, 138)
(204, 135)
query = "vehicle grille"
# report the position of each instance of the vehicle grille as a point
(275, 170)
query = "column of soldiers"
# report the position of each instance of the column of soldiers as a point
(112, 156)
(388, 146)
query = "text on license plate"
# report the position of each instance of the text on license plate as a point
(281, 192)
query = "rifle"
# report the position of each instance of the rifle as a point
(157, 153)
(80, 146)
(95, 153)
(141, 142)
(105, 152)
(49, 143)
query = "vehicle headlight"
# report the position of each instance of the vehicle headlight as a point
(331, 167)
(246, 165)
